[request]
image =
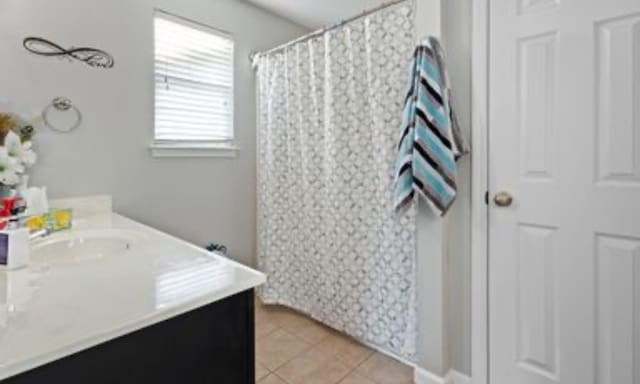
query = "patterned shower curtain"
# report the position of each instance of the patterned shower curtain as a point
(328, 124)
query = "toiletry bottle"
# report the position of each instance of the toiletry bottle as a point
(14, 248)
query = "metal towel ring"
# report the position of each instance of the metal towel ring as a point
(61, 104)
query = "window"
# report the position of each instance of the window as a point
(193, 88)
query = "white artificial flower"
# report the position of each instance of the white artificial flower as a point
(8, 173)
(28, 157)
(22, 152)
(13, 148)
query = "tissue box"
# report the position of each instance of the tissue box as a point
(14, 248)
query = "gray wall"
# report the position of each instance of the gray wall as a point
(196, 199)
(444, 246)
(457, 23)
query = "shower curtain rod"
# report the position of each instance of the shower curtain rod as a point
(321, 31)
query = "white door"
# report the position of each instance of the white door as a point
(565, 143)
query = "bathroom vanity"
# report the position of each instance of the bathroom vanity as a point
(114, 301)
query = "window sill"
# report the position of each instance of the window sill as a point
(187, 149)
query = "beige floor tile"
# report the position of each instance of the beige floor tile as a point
(278, 348)
(354, 378)
(271, 317)
(313, 367)
(264, 328)
(286, 318)
(312, 332)
(261, 371)
(345, 349)
(263, 322)
(271, 312)
(271, 379)
(385, 370)
(292, 321)
(262, 314)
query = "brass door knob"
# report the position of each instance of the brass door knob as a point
(503, 199)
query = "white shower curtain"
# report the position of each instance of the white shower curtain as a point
(329, 122)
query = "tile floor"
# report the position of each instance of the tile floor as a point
(293, 349)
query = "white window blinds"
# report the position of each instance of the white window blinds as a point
(193, 82)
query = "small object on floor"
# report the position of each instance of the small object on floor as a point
(219, 248)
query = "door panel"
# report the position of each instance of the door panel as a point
(564, 291)
(536, 300)
(618, 309)
(618, 59)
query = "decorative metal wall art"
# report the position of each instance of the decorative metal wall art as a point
(93, 57)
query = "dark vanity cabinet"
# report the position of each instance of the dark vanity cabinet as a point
(213, 344)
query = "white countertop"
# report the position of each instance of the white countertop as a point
(51, 310)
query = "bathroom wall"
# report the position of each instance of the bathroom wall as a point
(432, 345)
(443, 246)
(199, 199)
(457, 24)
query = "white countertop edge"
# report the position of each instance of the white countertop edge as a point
(25, 366)
(16, 368)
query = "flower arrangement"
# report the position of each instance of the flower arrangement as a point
(16, 152)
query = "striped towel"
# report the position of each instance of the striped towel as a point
(431, 141)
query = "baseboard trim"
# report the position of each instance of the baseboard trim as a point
(422, 376)
(456, 377)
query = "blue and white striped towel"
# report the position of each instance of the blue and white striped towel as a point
(431, 141)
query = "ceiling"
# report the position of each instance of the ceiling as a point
(314, 13)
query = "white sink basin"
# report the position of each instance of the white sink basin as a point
(82, 245)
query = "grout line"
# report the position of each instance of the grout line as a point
(309, 346)
(362, 363)
(276, 329)
(268, 333)
(340, 380)
(281, 378)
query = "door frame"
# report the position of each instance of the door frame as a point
(479, 191)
